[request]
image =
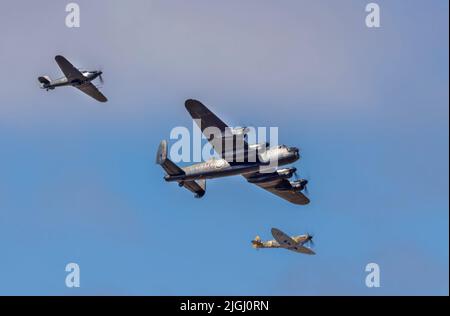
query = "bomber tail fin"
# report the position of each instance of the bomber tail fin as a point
(197, 187)
(161, 159)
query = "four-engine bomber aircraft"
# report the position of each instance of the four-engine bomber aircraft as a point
(273, 180)
(296, 243)
(74, 77)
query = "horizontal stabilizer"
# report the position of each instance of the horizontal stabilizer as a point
(197, 187)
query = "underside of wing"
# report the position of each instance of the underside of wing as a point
(215, 130)
(282, 188)
(284, 240)
(68, 69)
(288, 242)
(294, 197)
(302, 249)
(92, 91)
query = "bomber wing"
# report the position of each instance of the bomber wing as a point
(282, 188)
(207, 121)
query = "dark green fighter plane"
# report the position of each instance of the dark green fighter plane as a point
(75, 78)
(258, 163)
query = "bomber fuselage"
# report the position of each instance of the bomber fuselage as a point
(217, 168)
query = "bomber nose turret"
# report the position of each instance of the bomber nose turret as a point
(295, 151)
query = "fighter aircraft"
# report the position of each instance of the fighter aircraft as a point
(271, 179)
(75, 78)
(296, 243)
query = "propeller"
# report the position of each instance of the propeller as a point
(306, 188)
(101, 77)
(309, 240)
(305, 181)
(296, 177)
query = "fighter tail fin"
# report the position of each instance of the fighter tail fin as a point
(256, 243)
(44, 80)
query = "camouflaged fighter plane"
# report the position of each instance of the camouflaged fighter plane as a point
(75, 78)
(259, 171)
(296, 243)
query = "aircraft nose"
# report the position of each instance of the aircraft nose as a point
(295, 151)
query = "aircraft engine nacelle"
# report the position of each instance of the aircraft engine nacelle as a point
(285, 173)
(299, 185)
(259, 147)
(231, 134)
(240, 131)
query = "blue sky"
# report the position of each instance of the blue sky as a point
(368, 108)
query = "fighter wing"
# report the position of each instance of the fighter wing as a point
(283, 188)
(209, 123)
(68, 69)
(302, 249)
(92, 91)
(287, 242)
(284, 240)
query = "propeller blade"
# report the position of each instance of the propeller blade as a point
(311, 242)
